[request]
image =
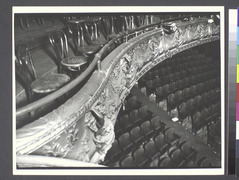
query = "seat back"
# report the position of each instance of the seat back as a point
(59, 43)
(127, 162)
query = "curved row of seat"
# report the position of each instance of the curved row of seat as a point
(149, 143)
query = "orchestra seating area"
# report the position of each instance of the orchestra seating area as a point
(185, 87)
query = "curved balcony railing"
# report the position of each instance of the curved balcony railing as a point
(83, 127)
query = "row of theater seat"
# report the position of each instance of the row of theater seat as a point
(169, 70)
(196, 103)
(149, 143)
(179, 64)
(179, 80)
(175, 97)
(205, 117)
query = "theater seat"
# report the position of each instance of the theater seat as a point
(133, 103)
(125, 142)
(176, 157)
(165, 162)
(147, 129)
(160, 143)
(156, 123)
(140, 157)
(171, 102)
(125, 122)
(182, 111)
(128, 162)
(151, 150)
(136, 135)
(170, 136)
(134, 117)
(145, 113)
(188, 152)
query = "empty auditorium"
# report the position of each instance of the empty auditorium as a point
(118, 90)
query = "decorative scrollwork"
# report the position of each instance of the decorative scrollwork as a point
(57, 150)
(90, 122)
(72, 133)
(84, 150)
(179, 37)
(200, 31)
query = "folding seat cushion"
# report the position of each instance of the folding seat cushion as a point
(186, 93)
(159, 94)
(147, 129)
(172, 87)
(128, 162)
(177, 76)
(170, 136)
(166, 90)
(183, 111)
(145, 113)
(125, 142)
(125, 122)
(154, 163)
(160, 143)
(191, 106)
(197, 101)
(151, 150)
(179, 97)
(188, 152)
(212, 112)
(135, 117)
(176, 157)
(171, 102)
(197, 121)
(205, 115)
(193, 80)
(136, 135)
(140, 157)
(157, 124)
(200, 87)
(170, 78)
(179, 84)
(165, 162)
(133, 103)
(193, 90)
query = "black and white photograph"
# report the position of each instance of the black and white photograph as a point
(118, 90)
